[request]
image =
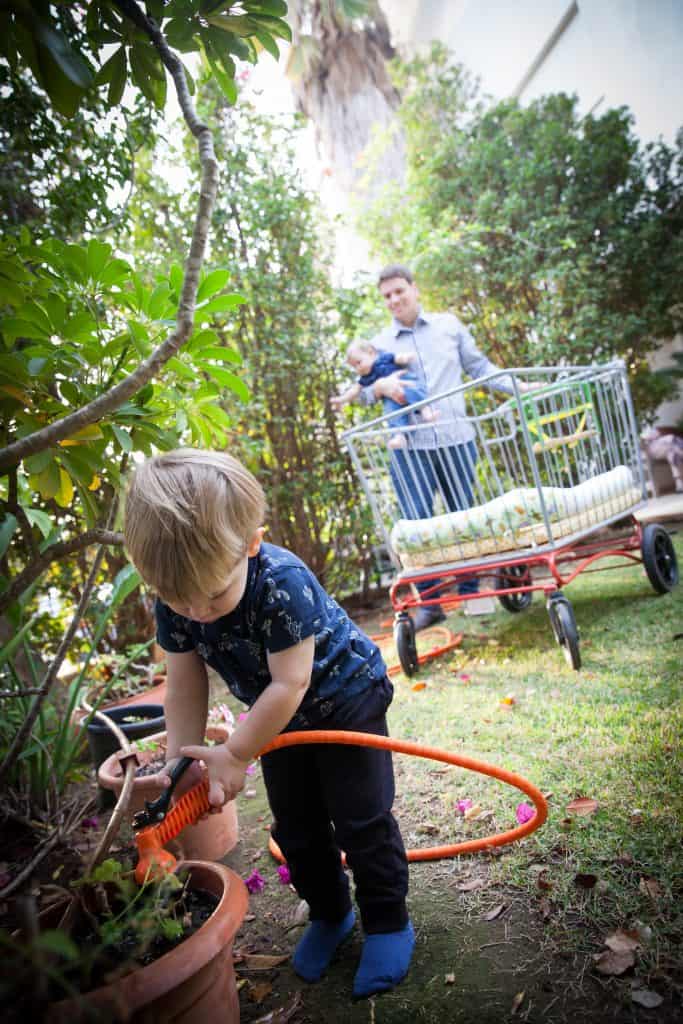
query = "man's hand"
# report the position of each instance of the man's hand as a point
(227, 773)
(391, 387)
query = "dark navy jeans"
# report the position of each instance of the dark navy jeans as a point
(416, 475)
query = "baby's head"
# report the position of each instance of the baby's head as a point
(360, 355)
(192, 520)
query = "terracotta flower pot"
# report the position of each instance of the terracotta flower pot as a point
(192, 984)
(210, 839)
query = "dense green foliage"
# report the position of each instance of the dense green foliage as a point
(268, 230)
(558, 237)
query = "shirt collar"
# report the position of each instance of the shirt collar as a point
(422, 318)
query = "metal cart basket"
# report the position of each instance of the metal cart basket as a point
(479, 498)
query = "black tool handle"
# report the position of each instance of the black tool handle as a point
(156, 810)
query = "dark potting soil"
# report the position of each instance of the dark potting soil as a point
(192, 908)
(150, 769)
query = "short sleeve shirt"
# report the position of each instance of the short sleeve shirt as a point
(283, 604)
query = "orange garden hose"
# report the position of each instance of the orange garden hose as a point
(153, 859)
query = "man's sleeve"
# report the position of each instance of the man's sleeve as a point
(476, 364)
(291, 609)
(174, 633)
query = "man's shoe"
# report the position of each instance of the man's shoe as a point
(428, 615)
(480, 606)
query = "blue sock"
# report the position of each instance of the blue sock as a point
(318, 945)
(384, 961)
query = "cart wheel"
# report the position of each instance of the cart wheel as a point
(563, 622)
(404, 638)
(511, 577)
(659, 558)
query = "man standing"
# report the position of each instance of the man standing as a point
(441, 457)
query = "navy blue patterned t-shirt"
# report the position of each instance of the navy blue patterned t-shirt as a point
(283, 604)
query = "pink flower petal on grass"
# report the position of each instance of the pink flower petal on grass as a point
(251, 768)
(256, 882)
(283, 872)
(242, 715)
(525, 812)
(463, 805)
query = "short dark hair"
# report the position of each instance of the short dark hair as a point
(395, 270)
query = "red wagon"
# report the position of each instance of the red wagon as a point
(491, 499)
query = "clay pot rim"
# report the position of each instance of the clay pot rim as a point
(110, 770)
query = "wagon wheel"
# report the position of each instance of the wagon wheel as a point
(659, 558)
(514, 575)
(404, 638)
(563, 622)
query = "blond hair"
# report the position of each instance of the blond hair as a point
(360, 345)
(189, 518)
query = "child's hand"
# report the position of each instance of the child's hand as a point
(227, 773)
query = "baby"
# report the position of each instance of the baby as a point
(370, 364)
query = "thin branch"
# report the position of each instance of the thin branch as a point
(125, 389)
(8, 694)
(53, 554)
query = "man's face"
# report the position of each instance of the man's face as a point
(402, 299)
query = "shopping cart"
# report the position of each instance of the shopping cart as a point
(487, 499)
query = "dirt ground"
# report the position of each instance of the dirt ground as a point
(466, 969)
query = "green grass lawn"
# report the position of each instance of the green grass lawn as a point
(610, 732)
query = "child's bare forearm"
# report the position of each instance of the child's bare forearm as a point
(186, 704)
(266, 719)
(404, 358)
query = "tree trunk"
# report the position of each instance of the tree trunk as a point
(346, 91)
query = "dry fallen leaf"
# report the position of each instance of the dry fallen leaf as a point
(283, 1013)
(471, 884)
(449, 979)
(650, 887)
(646, 997)
(472, 812)
(613, 963)
(428, 829)
(416, 687)
(585, 881)
(544, 907)
(583, 805)
(259, 991)
(517, 1002)
(622, 941)
(495, 912)
(262, 961)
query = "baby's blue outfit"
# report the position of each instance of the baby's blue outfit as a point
(413, 387)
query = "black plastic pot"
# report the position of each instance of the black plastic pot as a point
(146, 719)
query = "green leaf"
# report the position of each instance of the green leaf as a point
(176, 277)
(7, 528)
(224, 354)
(58, 943)
(222, 304)
(37, 517)
(225, 83)
(268, 43)
(117, 79)
(218, 415)
(230, 381)
(123, 437)
(237, 25)
(98, 255)
(275, 8)
(72, 64)
(37, 463)
(179, 367)
(11, 646)
(277, 27)
(48, 482)
(125, 583)
(116, 272)
(212, 283)
(159, 304)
